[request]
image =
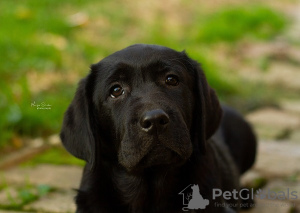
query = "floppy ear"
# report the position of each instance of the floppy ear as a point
(77, 133)
(208, 119)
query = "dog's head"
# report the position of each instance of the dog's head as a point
(141, 107)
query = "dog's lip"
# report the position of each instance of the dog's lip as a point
(177, 154)
(158, 155)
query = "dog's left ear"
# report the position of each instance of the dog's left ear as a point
(78, 134)
(210, 105)
(207, 112)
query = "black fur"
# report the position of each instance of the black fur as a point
(153, 140)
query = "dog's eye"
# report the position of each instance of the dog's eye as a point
(116, 91)
(172, 80)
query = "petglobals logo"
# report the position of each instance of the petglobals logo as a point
(192, 199)
(246, 194)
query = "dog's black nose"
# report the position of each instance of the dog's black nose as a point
(154, 121)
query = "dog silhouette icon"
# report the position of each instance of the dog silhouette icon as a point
(197, 201)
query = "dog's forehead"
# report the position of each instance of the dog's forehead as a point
(142, 54)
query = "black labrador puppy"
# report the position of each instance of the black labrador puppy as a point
(144, 121)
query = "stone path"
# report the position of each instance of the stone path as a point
(277, 166)
(281, 123)
(45, 174)
(277, 169)
(62, 179)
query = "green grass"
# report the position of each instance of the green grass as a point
(233, 24)
(24, 47)
(37, 37)
(223, 84)
(56, 156)
(24, 195)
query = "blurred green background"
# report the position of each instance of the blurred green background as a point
(47, 47)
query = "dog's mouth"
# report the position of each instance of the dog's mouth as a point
(159, 152)
(159, 155)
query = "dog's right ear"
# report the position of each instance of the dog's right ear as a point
(77, 130)
(208, 112)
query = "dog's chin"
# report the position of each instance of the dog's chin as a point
(159, 157)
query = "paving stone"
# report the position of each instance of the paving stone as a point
(283, 74)
(54, 140)
(65, 177)
(278, 159)
(274, 117)
(252, 179)
(273, 123)
(291, 105)
(272, 132)
(295, 136)
(57, 202)
(282, 70)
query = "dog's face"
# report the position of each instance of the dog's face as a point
(144, 106)
(148, 100)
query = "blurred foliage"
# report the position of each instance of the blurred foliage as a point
(58, 40)
(233, 24)
(18, 197)
(58, 156)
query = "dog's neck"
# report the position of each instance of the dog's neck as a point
(148, 189)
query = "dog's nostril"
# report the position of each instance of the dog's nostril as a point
(164, 121)
(154, 119)
(146, 124)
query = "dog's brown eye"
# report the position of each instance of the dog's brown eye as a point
(172, 80)
(116, 91)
